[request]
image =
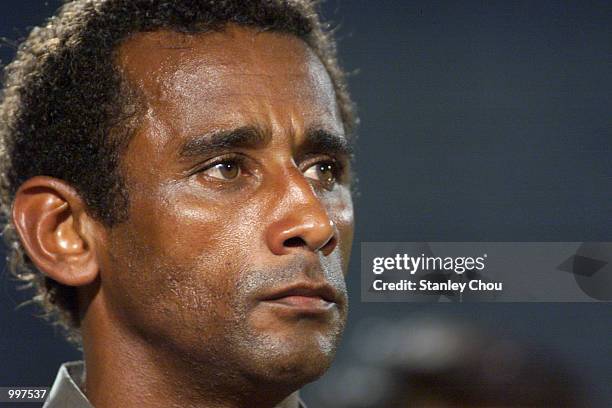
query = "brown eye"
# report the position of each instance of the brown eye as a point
(323, 172)
(227, 170)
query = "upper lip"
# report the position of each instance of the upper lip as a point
(309, 289)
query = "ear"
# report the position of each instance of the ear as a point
(55, 230)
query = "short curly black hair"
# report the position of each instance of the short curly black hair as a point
(66, 112)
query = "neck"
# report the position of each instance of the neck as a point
(123, 370)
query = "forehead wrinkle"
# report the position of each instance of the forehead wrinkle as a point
(215, 78)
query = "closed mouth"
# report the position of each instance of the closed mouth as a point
(304, 296)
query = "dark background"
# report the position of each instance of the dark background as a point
(481, 121)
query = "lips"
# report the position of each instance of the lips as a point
(303, 297)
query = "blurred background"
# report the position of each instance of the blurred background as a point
(480, 121)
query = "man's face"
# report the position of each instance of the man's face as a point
(241, 219)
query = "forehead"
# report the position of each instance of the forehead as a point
(232, 77)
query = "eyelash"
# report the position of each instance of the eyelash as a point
(338, 166)
(231, 157)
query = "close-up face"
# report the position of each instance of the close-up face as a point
(240, 224)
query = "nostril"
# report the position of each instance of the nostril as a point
(294, 242)
(329, 247)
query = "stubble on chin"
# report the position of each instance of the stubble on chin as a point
(294, 350)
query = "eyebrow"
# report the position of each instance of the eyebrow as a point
(246, 137)
(321, 140)
(316, 140)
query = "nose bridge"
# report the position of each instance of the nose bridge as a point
(298, 188)
(301, 221)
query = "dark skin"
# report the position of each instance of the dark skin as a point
(225, 286)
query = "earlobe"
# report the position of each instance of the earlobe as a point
(48, 216)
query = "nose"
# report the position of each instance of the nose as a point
(308, 232)
(302, 222)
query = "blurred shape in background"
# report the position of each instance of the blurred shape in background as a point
(434, 362)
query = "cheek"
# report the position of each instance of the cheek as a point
(189, 228)
(177, 262)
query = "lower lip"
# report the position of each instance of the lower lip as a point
(303, 304)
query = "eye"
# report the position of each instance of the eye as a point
(324, 172)
(226, 170)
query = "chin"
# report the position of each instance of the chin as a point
(294, 361)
